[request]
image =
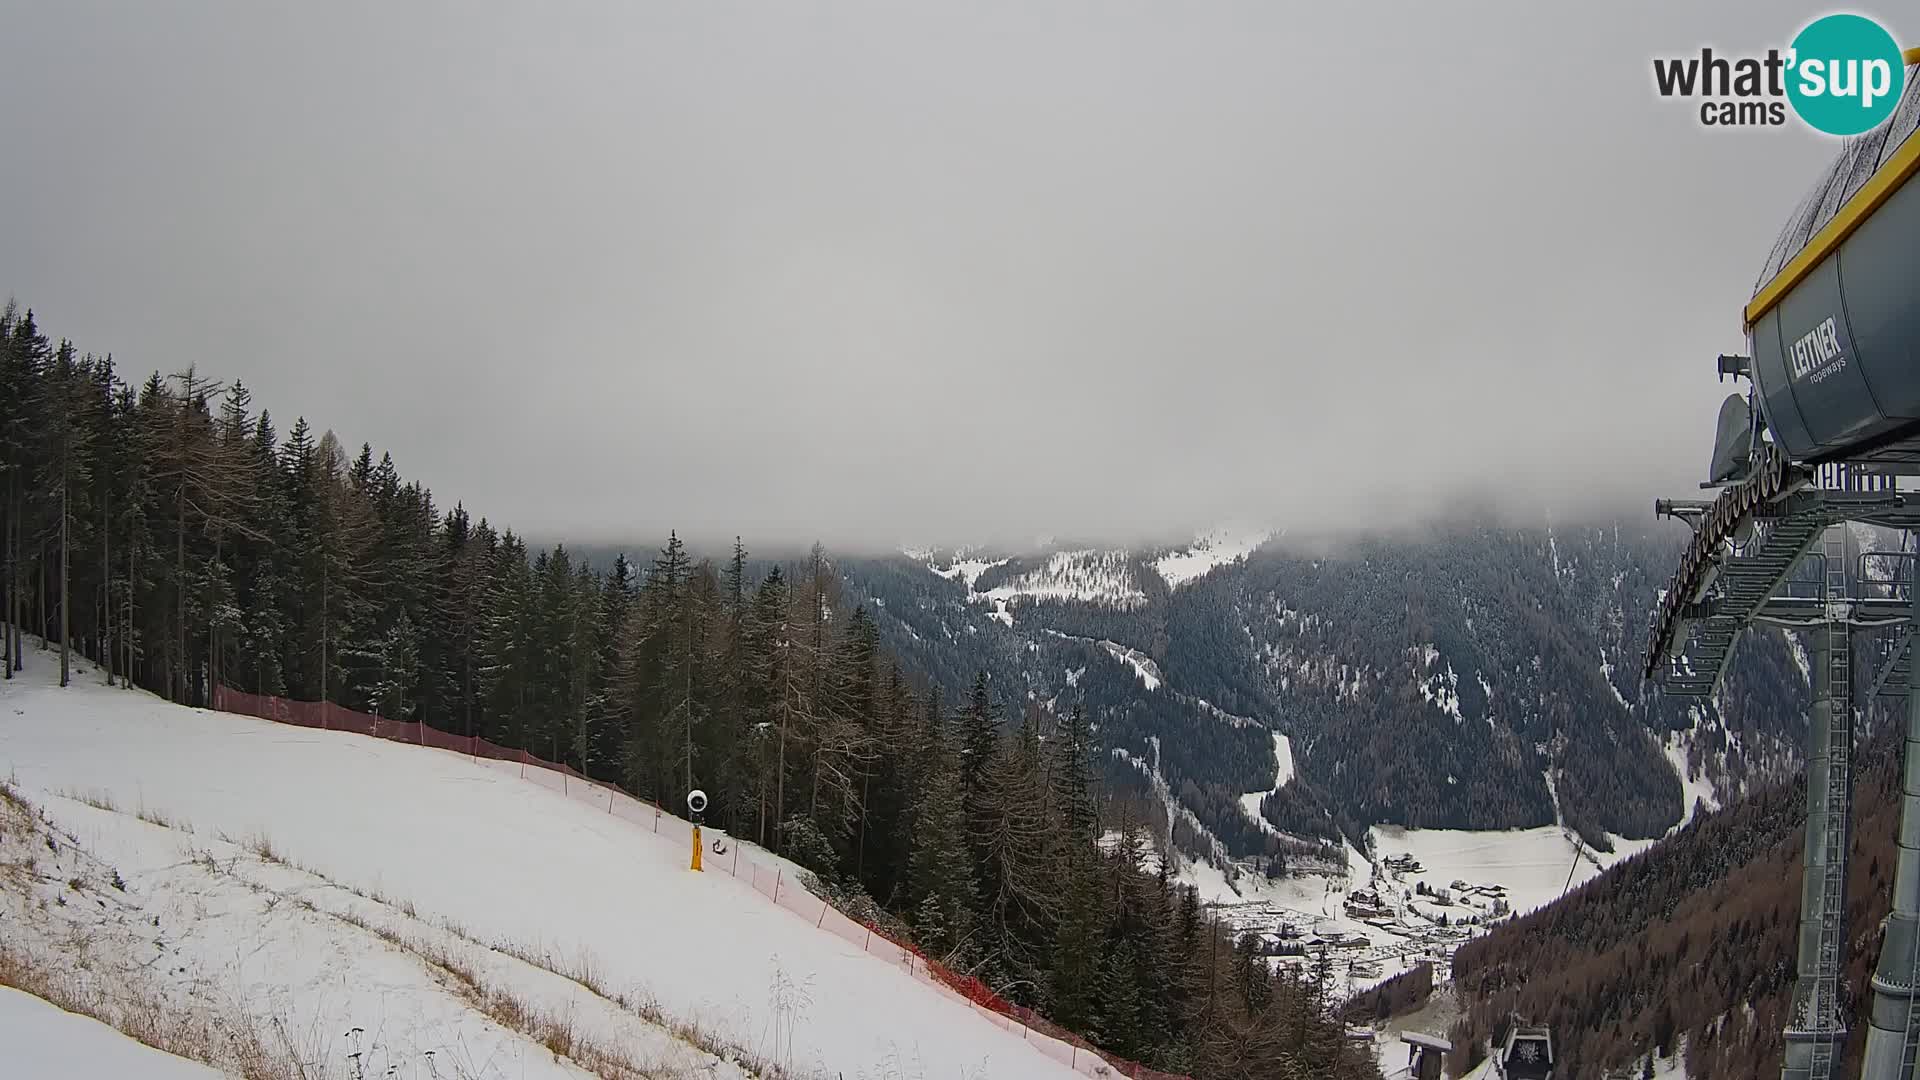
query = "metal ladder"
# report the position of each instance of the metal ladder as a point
(1825, 1002)
(1910, 1039)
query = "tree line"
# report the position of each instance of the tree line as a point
(170, 533)
(1690, 944)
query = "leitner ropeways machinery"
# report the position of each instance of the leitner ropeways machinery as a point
(1830, 425)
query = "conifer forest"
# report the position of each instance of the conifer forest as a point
(179, 536)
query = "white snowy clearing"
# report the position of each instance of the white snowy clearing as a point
(1209, 551)
(1142, 664)
(965, 571)
(1085, 575)
(1533, 866)
(1693, 789)
(1378, 911)
(40, 1039)
(356, 895)
(1283, 772)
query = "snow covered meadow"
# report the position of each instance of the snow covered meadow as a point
(333, 895)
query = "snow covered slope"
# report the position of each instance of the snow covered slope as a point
(1283, 773)
(1208, 551)
(470, 846)
(1085, 576)
(1533, 866)
(44, 1040)
(228, 953)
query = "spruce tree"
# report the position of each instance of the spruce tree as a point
(941, 890)
(399, 671)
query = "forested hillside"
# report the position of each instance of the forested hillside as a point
(1476, 678)
(1692, 941)
(172, 534)
(1470, 676)
(1081, 641)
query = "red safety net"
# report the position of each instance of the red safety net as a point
(771, 882)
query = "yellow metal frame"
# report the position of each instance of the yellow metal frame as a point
(1895, 173)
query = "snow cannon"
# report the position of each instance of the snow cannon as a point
(1833, 327)
(697, 806)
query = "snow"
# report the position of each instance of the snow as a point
(1142, 664)
(42, 1039)
(1283, 756)
(1222, 715)
(964, 570)
(1531, 864)
(1113, 840)
(1175, 810)
(1441, 689)
(1800, 659)
(1001, 613)
(1692, 788)
(153, 919)
(1085, 576)
(1283, 772)
(468, 844)
(1664, 1068)
(1208, 552)
(1606, 673)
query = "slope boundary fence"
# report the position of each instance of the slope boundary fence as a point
(771, 882)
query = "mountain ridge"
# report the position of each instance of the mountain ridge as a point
(1471, 677)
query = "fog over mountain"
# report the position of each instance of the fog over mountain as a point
(984, 272)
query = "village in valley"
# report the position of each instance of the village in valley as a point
(1365, 934)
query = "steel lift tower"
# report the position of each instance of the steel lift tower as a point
(1827, 431)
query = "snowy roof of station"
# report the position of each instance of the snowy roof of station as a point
(1860, 157)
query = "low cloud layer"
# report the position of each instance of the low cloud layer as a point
(871, 274)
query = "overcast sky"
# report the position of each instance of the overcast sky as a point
(905, 271)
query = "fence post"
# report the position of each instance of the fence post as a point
(736, 858)
(776, 884)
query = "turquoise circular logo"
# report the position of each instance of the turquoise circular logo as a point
(1845, 75)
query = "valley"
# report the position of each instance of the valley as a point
(1472, 680)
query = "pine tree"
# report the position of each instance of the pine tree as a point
(66, 433)
(1117, 1019)
(979, 745)
(26, 356)
(609, 722)
(399, 671)
(941, 887)
(768, 680)
(1071, 779)
(1075, 965)
(583, 664)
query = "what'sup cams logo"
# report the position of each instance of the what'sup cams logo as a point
(1842, 75)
